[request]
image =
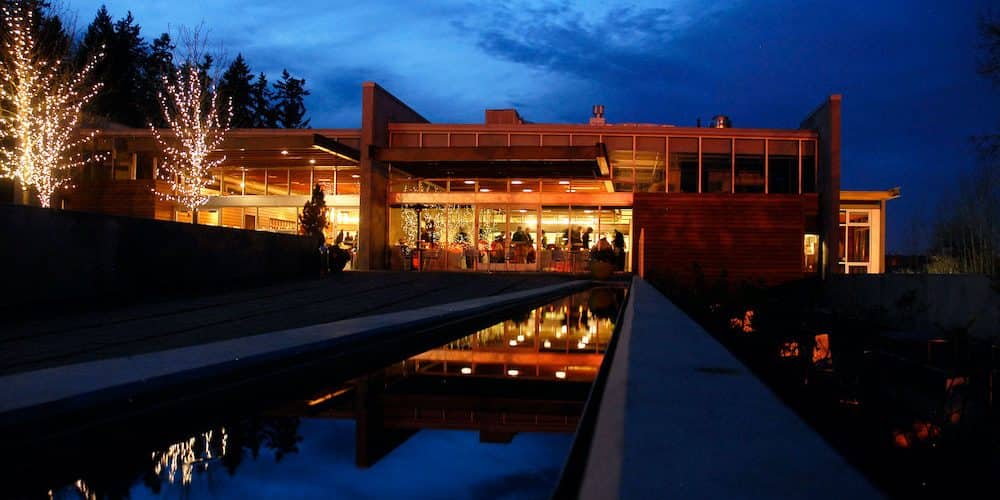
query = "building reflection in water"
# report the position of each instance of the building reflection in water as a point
(531, 373)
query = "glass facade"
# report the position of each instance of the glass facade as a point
(854, 250)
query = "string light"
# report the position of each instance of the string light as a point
(40, 110)
(197, 131)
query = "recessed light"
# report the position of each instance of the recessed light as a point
(560, 374)
(311, 162)
(284, 151)
(468, 182)
(527, 190)
(570, 190)
(466, 370)
(513, 373)
(484, 190)
(564, 183)
(355, 176)
(512, 342)
(517, 182)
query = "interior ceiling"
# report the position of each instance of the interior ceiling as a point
(580, 169)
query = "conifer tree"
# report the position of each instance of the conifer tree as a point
(313, 217)
(289, 101)
(260, 98)
(236, 87)
(121, 71)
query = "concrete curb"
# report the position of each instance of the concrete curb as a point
(76, 384)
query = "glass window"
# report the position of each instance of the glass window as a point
(749, 166)
(123, 166)
(783, 167)
(301, 181)
(683, 175)
(620, 155)
(349, 180)
(254, 184)
(808, 167)
(716, 165)
(232, 182)
(650, 163)
(324, 177)
(277, 181)
(144, 165)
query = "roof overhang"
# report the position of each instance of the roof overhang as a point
(499, 161)
(888, 194)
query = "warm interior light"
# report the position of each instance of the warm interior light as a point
(560, 374)
(588, 211)
(517, 183)
(484, 190)
(466, 370)
(468, 182)
(570, 190)
(312, 162)
(355, 176)
(513, 373)
(512, 342)
(284, 151)
(520, 338)
(527, 190)
(547, 344)
(564, 183)
(581, 345)
(522, 210)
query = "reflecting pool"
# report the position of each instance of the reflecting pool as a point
(489, 414)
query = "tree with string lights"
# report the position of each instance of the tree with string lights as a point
(40, 108)
(191, 111)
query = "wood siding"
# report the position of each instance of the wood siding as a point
(751, 237)
(130, 198)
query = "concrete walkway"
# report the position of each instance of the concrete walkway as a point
(77, 338)
(139, 373)
(680, 417)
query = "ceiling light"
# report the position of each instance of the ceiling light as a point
(468, 182)
(484, 190)
(547, 344)
(513, 373)
(570, 190)
(517, 182)
(284, 151)
(564, 183)
(512, 342)
(560, 374)
(311, 162)
(527, 190)
(467, 371)
(355, 176)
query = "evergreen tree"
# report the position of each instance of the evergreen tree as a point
(236, 89)
(49, 33)
(121, 70)
(260, 99)
(159, 65)
(289, 105)
(313, 217)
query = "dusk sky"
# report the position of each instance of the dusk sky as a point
(906, 69)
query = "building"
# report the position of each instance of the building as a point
(752, 204)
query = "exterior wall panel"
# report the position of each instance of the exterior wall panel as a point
(753, 238)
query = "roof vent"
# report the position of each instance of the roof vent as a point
(721, 121)
(597, 117)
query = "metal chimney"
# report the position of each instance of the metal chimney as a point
(597, 117)
(721, 121)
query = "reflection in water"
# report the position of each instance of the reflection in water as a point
(528, 374)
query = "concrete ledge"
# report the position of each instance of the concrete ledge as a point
(26, 391)
(680, 417)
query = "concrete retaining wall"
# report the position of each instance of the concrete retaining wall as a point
(60, 257)
(929, 303)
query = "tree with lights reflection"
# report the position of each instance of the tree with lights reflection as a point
(40, 107)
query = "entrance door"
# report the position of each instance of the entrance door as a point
(524, 247)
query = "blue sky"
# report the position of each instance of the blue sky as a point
(906, 69)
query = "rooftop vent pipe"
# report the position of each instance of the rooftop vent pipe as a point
(597, 117)
(721, 121)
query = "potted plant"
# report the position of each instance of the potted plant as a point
(602, 263)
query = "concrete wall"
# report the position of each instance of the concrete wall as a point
(61, 257)
(826, 121)
(378, 109)
(931, 303)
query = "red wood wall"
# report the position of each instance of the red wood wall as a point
(133, 198)
(749, 237)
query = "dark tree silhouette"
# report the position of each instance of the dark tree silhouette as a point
(313, 218)
(260, 99)
(236, 89)
(159, 64)
(125, 84)
(289, 101)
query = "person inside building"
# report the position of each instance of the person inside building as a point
(619, 248)
(586, 238)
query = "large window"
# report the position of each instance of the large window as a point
(749, 166)
(683, 175)
(716, 166)
(650, 163)
(783, 166)
(855, 247)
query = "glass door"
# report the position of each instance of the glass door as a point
(494, 238)
(524, 239)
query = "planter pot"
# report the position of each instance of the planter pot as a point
(601, 270)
